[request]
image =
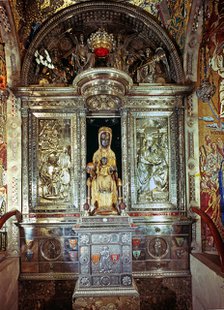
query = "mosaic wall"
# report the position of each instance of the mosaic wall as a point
(3, 145)
(173, 15)
(211, 126)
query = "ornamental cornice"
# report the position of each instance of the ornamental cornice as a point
(35, 91)
(153, 89)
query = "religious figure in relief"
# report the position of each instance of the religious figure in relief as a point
(152, 165)
(54, 161)
(105, 263)
(104, 186)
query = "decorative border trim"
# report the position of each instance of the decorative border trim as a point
(74, 276)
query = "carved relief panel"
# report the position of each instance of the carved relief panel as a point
(154, 160)
(51, 161)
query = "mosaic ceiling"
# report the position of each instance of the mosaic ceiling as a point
(172, 15)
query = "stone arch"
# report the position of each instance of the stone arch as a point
(88, 17)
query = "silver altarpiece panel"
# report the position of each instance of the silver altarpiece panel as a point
(150, 147)
(56, 146)
(51, 161)
(153, 160)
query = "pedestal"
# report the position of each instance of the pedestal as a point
(105, 264)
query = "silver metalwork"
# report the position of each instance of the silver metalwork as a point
(159, 190)
(161, 105)
(147, 111)
(125, 150)
(25, 164)
(82, 152)
(105, 256)
(103, 88)
(51, 160)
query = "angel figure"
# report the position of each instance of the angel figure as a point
(155, 69)
(82, 58)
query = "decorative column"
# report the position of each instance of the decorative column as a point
(25, 198)
(82, 154)
(125, 172)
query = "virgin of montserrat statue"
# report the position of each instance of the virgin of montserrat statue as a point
(104, 186)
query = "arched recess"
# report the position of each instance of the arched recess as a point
(140, 29)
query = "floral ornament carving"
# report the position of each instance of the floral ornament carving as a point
(103, 102)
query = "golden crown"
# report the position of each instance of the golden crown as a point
(101, 39)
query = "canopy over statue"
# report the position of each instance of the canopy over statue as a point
(104, 186)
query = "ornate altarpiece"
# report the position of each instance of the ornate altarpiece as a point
(56, 116)
(55, 135)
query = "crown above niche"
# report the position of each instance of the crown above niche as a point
(103, 88)
(60, 50)
(101, 49)
(101, 43)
